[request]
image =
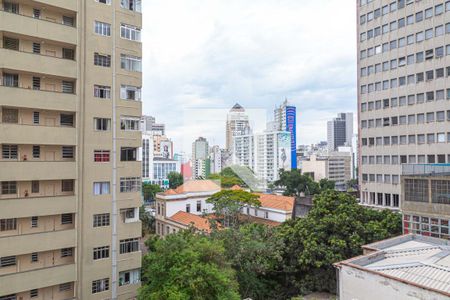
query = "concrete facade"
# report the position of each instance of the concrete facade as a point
(69, 132)
(403, 92)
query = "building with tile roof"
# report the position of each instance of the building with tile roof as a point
(405, 267)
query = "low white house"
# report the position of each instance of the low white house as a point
(405, 267)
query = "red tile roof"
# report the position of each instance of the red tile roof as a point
(194, 186)
(276, 202)
(235, 187)
(187, 219)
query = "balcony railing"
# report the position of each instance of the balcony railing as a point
(22, 195)
(44, 20)
(20, 85)
(40, 54)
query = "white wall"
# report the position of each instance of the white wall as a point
(355, 284)
(174, 206)
(273, 215)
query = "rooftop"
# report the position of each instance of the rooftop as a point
(277, 202)
(193, 186)
(187, 219)
(417, 260)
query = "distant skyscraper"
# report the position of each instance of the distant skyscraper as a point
(340, 131)
(148, 123)
(200, 158)
(215, 156)
(237, 124)
(285, 118)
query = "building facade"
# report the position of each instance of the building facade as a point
(285, 119)
(69, 132)
(425, 199)
(215, 156)
(263, 153)
(340, 131)
(403, 92)
(200, 158)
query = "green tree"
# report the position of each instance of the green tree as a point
(326, 184)
(148, 221)
(227, 205)
(334, 230)
(352, 184)
(187, 266)
(149, 190)
(254, 252)
(296, 183)
(175, 179)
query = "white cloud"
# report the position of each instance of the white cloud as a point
(202, 54)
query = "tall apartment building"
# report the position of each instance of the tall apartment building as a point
(403, 67)
(340, 131)
(70, 180)
(285, 119)
(237, 124)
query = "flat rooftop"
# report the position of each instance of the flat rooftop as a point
(418, 260)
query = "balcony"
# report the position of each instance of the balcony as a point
(129, 230)
(37, 206)
(29, 62)
(31, 170)
(37, 242)
(69, 5)
(11, 133)
(29, 26)
(29, 98)
(35, 279)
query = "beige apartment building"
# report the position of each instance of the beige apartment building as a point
(404, 92)
(70, 80)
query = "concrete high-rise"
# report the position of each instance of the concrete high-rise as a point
(285, 119)
(403, 84)
(70, 180)
(200, 158)
(340, 131)
(237, 124)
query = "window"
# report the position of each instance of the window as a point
(108, 2)
(130, 63)
(128, 92)
(134, 5)
(36, 48)
(66, 219)
(130, 184)
(440, 116)
(441, 137)
(67, 185)
(430, 138)
(101, 188)
(65, 286)
(9, 151)
(101, 155)
(66, 252)
(69, 21)
(439, 30)
(11, 7)
(128, 154)
(66, 120)
(130, 32)
(102, 91)
(428, 13)
(34, 222)
(8, 224)
(35, 186)
(10, 43)
(68, 53)
(102, 124)
(103, 60)
(130, 123)
(101, 252)
(101, 220)
(36, 117)
(67, 152)
(199, 206)
(67, 87)
(7, 261)
(34, 257)
(36, 83)
(102, 28)
(100, 285)
(188, 208)
(11, 80)
(429, 33)
(129, 245)
(129, 277)
(430, 117)
(9, 187)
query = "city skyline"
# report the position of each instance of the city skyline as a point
(203, 61)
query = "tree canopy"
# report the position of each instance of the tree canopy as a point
(227, 205)
(149, 190)
(185, 266)
(297, 183)
(175, 179)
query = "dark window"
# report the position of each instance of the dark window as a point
(67, 185)
(66, 120)
(35, 186)
(67, 219)
(36, 151)
(10, 43)
(128, 154)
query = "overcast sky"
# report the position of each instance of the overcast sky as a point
(203, 56)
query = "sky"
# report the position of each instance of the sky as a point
(200, 57)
